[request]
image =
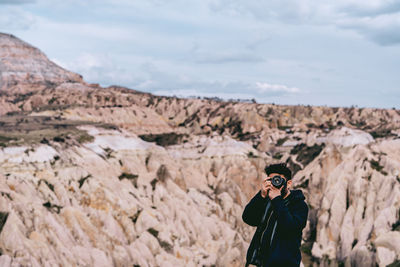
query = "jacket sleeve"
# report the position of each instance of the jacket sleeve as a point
(294, 220)
(254, 210)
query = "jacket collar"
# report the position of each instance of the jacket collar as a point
(295, 195)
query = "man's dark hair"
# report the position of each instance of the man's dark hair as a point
(280, 168)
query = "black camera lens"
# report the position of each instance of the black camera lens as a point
(277, 181)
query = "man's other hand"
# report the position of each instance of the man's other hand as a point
(274, 192)
(268, 189)
(265, 186)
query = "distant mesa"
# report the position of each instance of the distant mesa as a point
(25, 68)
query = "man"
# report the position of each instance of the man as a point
(280, 214)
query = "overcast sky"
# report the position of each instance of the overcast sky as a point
(335, 53)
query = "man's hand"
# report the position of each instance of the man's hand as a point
(268, 189)
(274, 192)
(264, 187)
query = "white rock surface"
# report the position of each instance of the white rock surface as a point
(347, 137)
(385, 256)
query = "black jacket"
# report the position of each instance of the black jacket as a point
(291, 219)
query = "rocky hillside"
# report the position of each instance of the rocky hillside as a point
(24, 68)
(93, 176)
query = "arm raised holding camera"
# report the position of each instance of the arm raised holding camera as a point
(255, 208)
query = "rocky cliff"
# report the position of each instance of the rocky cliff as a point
(24, 68)
(93, 176)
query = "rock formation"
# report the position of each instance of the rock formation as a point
(24, 68)
(93, 176)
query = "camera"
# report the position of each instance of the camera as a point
(277, 181)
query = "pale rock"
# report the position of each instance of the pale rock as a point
(185, 255)
(12, 154)
(232, 257)
(384, 220)
(35, 262)
(167, 260)
(61, 194)
(364, 230)
(226, 146)
(338, 208)
(82, 229)
(211, 147)
(113, 140)
(112, 228)
(127, 226)
(347, 233)
(226, 202)
(193, 178)
(121, 256)
(154, 162)
(12, 237)
(99, 258)
(347, 137)
(82, 254)
(384, 256)
(23, 65)
(362, 255)
(136, 256)
(290, 143)
(390, 240)
(39, 243)
(144, 254)
(145, 221)
(41, 154)
(5, 261)
(150, 241)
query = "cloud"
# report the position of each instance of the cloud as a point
(275, 89)
(383, 29)
(16, 2)
(163, 78)
(362, 8)
(227, 57)
(14, 18)
(225, 90)
(287, 11)
(238, 49)
(100, 69)
(375, 20)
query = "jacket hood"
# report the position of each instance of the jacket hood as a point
(296, 195)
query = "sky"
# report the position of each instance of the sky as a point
(308, 52)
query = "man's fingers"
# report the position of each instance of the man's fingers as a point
(271, 187)
(267, 182)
